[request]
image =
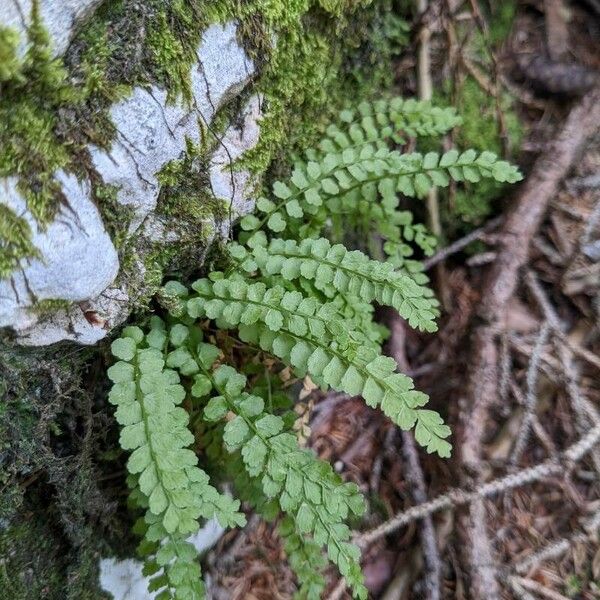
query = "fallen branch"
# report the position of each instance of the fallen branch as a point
(463, 242)
(556, 549)
(585, 412)
(531, 397)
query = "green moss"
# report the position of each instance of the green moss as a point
(29, 102)
(49, 306)
(131, 43)
(184, 207)
(326, 52)
(10, 65)
(115, 216)
(172, 42)
(32, 91)
(15, 241)
(481, 128)
(52, 571)
(56, 518)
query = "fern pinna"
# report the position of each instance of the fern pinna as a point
(290, 293)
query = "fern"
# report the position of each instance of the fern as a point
(307, 336)
(168, 481)
(350, 177)
(383, 120)
(304, 303)
(306, 489)
(335, 270)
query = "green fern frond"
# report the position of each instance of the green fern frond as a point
(234, 302)
(308, 302)
(307, 336)
(174, 489)
(305, 557)
(369, 174)
(307, 489)
(335, 270)
(383, 120)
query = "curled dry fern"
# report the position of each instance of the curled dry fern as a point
(306, 300)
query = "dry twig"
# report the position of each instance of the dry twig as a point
(414, 472)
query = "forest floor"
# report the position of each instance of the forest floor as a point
(515, 364)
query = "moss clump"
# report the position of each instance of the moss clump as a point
(56, 515)
(187, 213)
(115, 216)
(10, 66)
(32, 92)
(30, 99)
(304, 76)
(481, 130)
(184, 201)
(131, 43)
(53, 570)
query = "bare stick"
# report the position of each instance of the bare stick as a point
(463, 242)
(585, 412)
(458, 497)
(538, 588)
(517, 233)
(531, 397)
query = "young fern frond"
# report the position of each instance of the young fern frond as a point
(169, 482)
(383, 120)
